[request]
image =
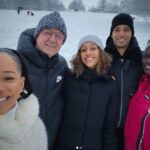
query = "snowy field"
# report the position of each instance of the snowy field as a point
(78, 24)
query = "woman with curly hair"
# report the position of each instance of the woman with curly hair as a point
(90, 100)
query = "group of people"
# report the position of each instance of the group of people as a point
(101, 102)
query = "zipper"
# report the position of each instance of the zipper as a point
(142, 130)
(121, 96)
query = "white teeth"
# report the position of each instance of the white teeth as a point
(89, 58)
(147, 67)
(52, 46)
(2, 99)
(121, 40)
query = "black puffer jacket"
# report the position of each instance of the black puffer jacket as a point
(89, 113)
(127, 70)
(46, 76)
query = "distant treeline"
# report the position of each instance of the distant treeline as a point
(131, 6)
(32, 4)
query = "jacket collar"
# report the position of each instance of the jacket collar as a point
(144, 82)
(13, 129)
(133, 52)
(91, 75)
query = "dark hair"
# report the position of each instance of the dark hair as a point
(15, 55)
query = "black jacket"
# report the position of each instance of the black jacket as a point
(90, 103)
(46, 76)
(127, 70)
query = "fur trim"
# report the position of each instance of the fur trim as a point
(13, 130)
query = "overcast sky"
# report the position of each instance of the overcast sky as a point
(86, 2)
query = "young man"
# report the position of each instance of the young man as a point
(126, 66)
(39, 47)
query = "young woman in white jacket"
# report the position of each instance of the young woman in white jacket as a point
(20, 126)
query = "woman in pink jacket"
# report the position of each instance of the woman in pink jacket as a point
(137, 126)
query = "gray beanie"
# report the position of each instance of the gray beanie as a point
(53, 20)
(91, 38)
(148, 45)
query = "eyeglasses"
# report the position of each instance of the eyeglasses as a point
(50, 34)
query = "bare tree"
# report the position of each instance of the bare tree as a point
(101, 5)
(3, 4)
(55, 5)
(76, 5)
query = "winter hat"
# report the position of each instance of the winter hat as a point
(53, 20)
(148, 45)
(122, 19)
(91, 38)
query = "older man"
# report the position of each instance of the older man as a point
(39, 47)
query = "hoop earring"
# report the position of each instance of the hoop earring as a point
(23, 93)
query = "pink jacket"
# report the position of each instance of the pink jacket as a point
(137, 125)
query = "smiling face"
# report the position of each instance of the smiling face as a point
(146, 61)
(90, 54)
(11, 83)
(49, 41)
(121, 36)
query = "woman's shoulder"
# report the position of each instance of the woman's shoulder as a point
(68, 72)
(110, 80)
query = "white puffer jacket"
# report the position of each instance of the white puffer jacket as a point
(21, 128)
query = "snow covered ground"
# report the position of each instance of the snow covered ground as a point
(78, 24)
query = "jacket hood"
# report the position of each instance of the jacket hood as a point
(14, 129)
(26, 45)
(133, 52)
